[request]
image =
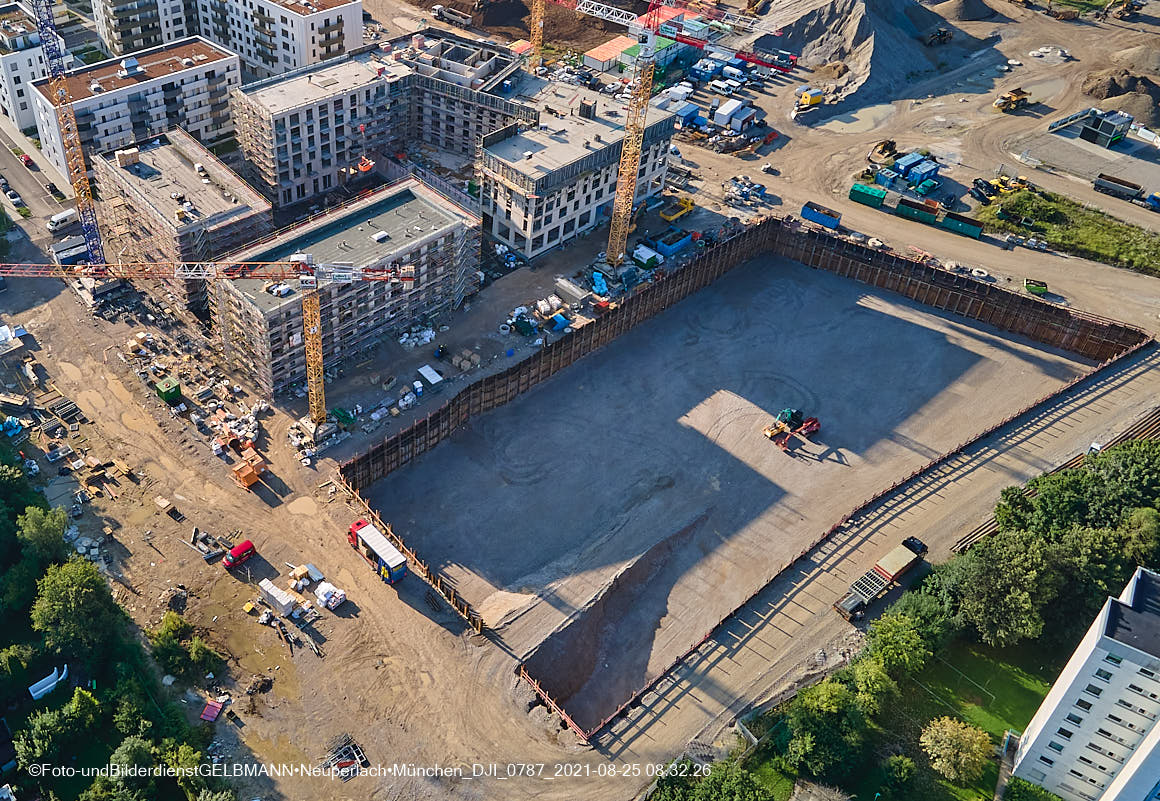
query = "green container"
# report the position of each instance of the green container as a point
(961, 225)
(913, 213)
(169, 391)
(872, 196)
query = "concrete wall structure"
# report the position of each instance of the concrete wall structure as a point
(305, 132)
(1095, 736)
(405, 225)
(214, 211)
(185, 84)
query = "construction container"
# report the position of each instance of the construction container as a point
(687, 113)
(873, 196)
(374, 546)
(923, 171)
(743, 119)
(827, 218)
(169, 391)
(885, 177)
(961, 224)
(904, 164)
(915, 211)
(725, 113)
(673, 241)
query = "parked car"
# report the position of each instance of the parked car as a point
(14, 196)
(50, 187)
(3, 183)
(978, 195)
(238, 554)
(27, 161)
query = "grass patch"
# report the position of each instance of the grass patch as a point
(16, 151)
(1082, 5)
(24, 211)
(777, 783)
(994, 689)
(1069, 227)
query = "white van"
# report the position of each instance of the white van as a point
(721, 88)
(736, 86)
(62, 220)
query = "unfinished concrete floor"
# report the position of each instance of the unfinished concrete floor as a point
(610, 518)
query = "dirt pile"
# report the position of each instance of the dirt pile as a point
(1104, 84)
(1142, 106)
(832, 71)
(878, 41)
(1141, 59)
(964, 10)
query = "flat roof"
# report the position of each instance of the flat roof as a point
(560, 139)
(306, 7)
(405, 212)
(1138, 624)
(324, 80)
(12, 20)
(156, 62)
(166, 167)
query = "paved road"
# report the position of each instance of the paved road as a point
(791, 617)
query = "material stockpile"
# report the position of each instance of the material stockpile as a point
(878, 41)
(1140, 59)
(1121, 90)
(964, 10)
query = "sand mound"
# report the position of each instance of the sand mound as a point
(1143, 58)
(877, 40)
(963, 10)
(833, 70)
(1115, 82)
(1140, 105)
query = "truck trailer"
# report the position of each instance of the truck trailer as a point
(380, 554)
(1126, 190)
(454, 16)
(874, 584)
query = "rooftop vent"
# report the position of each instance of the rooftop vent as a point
(380, 236)
(528, 155)
(187, 62)
(130, 66)
(95, 86)
(596, 137)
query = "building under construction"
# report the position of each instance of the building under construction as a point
(170, 199)
(406, 225)
(306, 132)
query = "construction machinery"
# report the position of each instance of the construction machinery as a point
(883, 151)
(677, 210)
(790, 423)
(937, 36)
(451, 15)
(642, 82)
(1015, 99)
(876, 581)
(1060, 13)
(1121, 9)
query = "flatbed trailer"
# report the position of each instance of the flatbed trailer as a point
(874, 583)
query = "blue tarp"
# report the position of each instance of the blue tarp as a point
(559, 321)
(599, 286)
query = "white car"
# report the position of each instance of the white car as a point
(14, 196)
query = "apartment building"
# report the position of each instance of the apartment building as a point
(184, 84)
(168, 198)
(305, 132)
(1096, 737)
(126, 26)
(546, 184)
(21, 63)
(271, 36)
(405, 225)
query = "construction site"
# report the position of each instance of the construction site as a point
(631, 443)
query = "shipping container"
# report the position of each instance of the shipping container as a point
(743, 119)
(961, 224)
(374, 546)
(886, 177)
(725, 113)
(915, 211)
(903, 164)
(922, 171)
(827, 218)
(872, 196)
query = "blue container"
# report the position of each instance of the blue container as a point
(923, 171)
(903, 164)
(827, 218)
(674, 244)
(886, 177)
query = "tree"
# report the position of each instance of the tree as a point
(43, 738)
(894, 640)
(899, 770)
(1008, 584)
(18, 586)
(75, 612)
(1014, 510)
(872, 684)
(956, 750)
(728, 781)
(83, 711)
(204, 658)
(105, 789)
(1092, 564)
(42, 535)
(1142, 536)
(217, 795)
(827, 728)
(134, 752)
(935, 620)
(1022, 790)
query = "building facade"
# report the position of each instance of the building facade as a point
(21, 63)
(169, 199)
(1096, 737)
(544, 185)
(405, 225)
(185, 84)
(305, 132)
(271, 36)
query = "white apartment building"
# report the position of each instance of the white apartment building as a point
(544, 185)
(271, 36)
(185, 84)
(1096, 737)
(21, 63)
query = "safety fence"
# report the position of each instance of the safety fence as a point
(1095, 338)
(418, 566)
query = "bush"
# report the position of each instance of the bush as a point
(957, 750)
(1021, 790)
(24, 211)
(899, 770)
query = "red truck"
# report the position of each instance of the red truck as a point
(874, 584)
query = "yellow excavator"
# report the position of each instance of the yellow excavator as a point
(1120, 9)
(789, 423)
(1061, 13)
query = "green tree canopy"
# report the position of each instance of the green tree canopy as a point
(894, 640)
(958, 751)
(827, 728)
(1008, 584)
(42, 535)
(75, 611)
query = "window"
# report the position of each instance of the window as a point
(1046, 761)
(1103, 675)
(1074, 718)
(1148, 673)
(1064, 733)
(1054, 746)
(1091, 689)
(1115, 660)
(1084, 705)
